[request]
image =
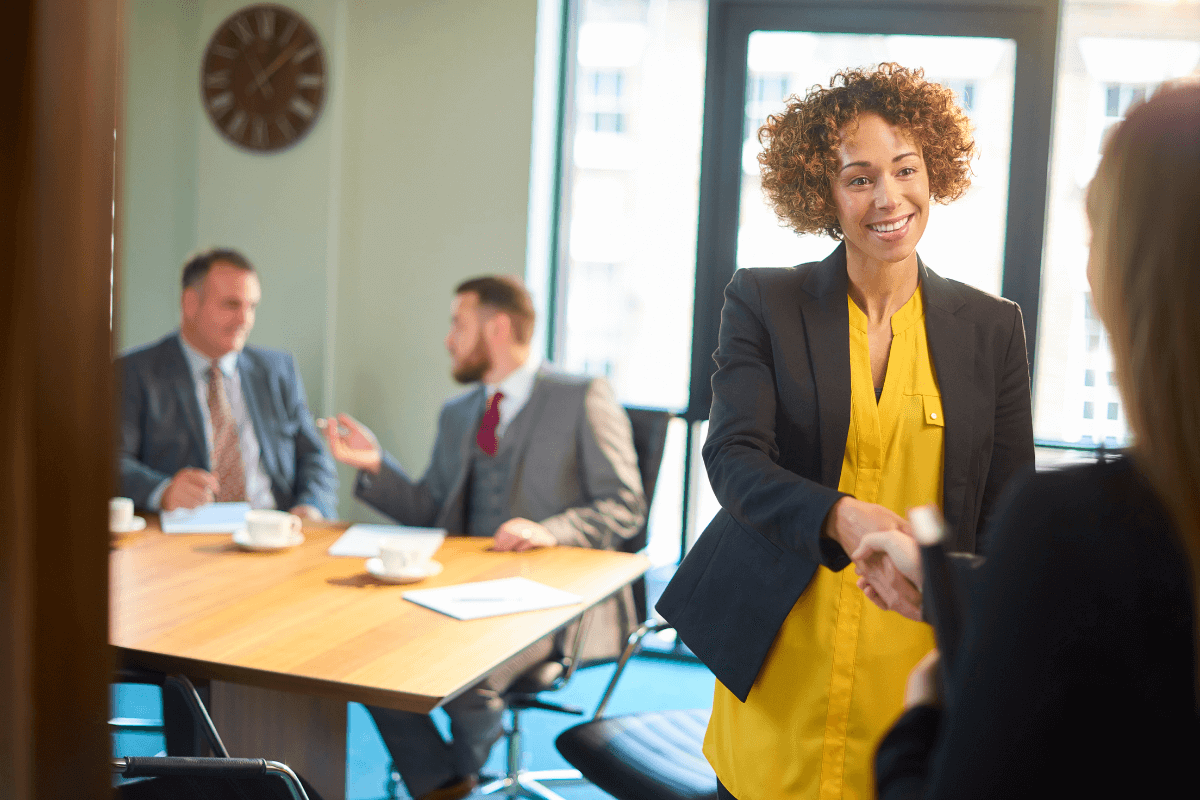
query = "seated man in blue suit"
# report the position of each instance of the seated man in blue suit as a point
(528, 455)
(205, 417)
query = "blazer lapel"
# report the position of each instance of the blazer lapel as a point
(184, 386)
(950, 338)
(518, 434)
(826, 328)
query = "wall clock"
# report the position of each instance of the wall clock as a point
(262, 79)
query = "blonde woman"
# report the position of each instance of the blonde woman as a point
(1078, 670)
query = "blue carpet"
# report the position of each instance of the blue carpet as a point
(648, 684)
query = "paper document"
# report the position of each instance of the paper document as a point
(492, 598)
(363, 540)
(209, 518)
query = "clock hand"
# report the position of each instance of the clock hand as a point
(260, 80)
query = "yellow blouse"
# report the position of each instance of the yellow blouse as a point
(834, 679)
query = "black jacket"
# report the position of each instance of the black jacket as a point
(1077, 671)
(777, 436)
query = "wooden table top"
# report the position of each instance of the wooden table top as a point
(303, 621)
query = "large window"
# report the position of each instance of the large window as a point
(626, 275)
(1110, 55)
(653, 224)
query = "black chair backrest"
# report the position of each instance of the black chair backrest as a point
(649, 442)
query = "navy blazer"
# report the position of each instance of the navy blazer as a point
(162, 430)
(777, 436)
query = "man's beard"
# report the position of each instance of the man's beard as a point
(474, 366)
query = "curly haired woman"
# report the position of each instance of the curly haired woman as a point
(846, 391)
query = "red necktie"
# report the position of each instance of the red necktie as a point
(226, 451)
(486, 438)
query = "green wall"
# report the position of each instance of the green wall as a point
(416, 177)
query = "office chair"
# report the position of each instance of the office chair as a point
(186, 777)
(650, 755)
(649, 442)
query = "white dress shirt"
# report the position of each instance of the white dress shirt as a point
(516, 387)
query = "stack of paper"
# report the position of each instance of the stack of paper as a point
(492, 598)
(208, 518)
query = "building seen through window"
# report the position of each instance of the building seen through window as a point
(1111, 55)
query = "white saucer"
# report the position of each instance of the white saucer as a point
(427, 570)
(135, 524)
(242, 539)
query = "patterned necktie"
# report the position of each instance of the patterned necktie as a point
(227, 465)
(486, 438)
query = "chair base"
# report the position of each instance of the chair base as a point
(530, 784)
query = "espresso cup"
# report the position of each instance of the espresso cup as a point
(409, 552)
(400, 556)
(265, 527)
(120, 513)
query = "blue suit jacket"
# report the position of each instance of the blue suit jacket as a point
(162, 430)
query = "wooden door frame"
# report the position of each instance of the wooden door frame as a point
(60, 96)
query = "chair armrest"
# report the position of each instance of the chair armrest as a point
(172, 766)
(159, 766)
(632, 646)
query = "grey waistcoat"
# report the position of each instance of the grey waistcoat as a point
(488, 504)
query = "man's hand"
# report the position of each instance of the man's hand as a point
(522, 534)
(304, 511)
(189, 488)
(851, 519)
(352, 443)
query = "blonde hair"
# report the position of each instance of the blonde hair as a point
(1144, 208)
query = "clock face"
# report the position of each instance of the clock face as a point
(262, 80)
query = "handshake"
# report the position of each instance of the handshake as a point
(885, 554)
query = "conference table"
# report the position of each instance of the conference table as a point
(286, 638)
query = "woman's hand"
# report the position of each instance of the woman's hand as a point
(851, 519)
(922, 682)
(889, 564)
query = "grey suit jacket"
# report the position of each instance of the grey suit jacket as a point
(777, 436)
(162, 430)
(575, 471)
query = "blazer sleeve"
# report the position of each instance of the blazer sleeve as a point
(138, 480)
(316, 477)
(742, 454)
(608, 475)
(414, 502)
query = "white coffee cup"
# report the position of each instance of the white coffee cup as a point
(408, 552)
(266, 527)
(120, 513)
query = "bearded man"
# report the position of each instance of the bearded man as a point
(529, 455)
